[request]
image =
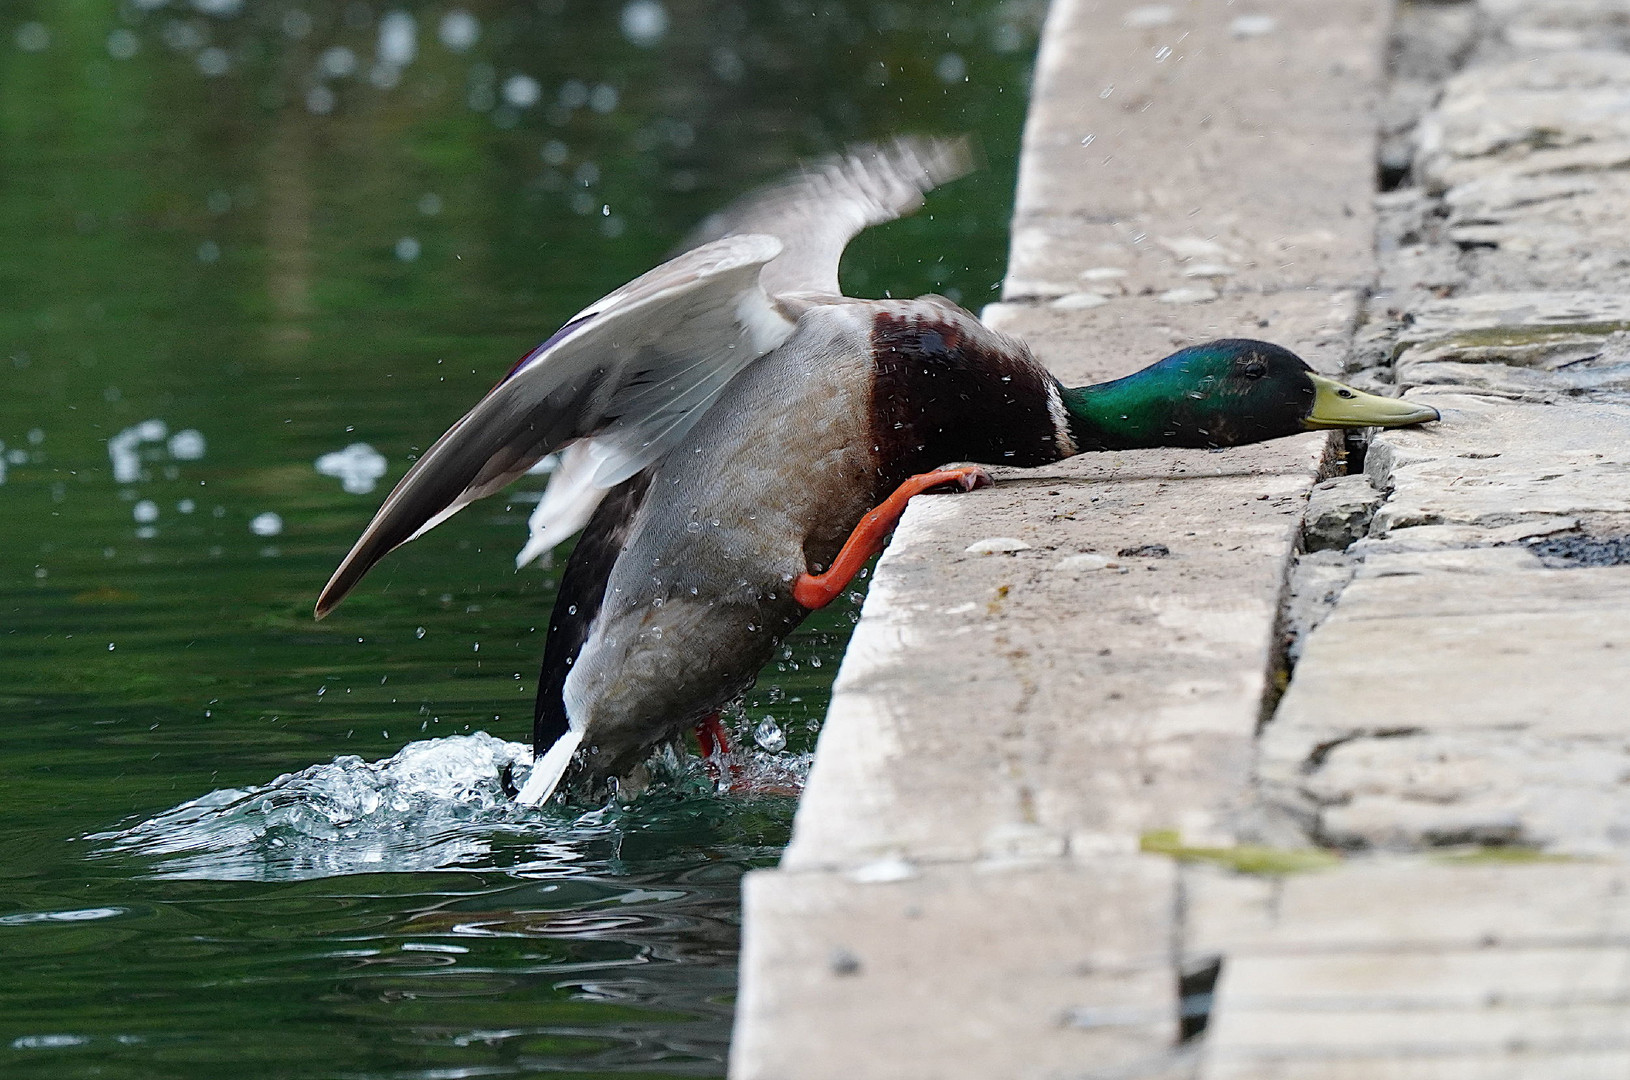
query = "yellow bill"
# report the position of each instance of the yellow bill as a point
(1336, 405)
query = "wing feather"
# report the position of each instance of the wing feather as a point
(818, 210)
(705, 310)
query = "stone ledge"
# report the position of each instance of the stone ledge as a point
(1199, 147)
(1055, 969)
(1407, 968)
(1005, 728)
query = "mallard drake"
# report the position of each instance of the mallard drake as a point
(740, 437)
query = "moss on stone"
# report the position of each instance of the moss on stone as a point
(1241, 858)
(1501, 854)
(1518, 336)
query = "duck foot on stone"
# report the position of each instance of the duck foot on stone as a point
(818, 590)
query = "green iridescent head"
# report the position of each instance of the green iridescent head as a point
(1225, 393)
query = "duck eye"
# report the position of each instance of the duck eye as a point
(1255, 369)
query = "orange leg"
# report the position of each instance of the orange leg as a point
(715, 746)
(818, 590)
(711, 736)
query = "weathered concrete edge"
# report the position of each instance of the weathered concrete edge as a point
(767, 1040)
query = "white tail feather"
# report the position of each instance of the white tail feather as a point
(548, 770)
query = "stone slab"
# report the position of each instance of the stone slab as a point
(1528, 117)
(1006, 726)
(1412, 904)
(1549, 346)
(1443, 708)
(1528, 156)
(1517, 1063)
(1199, 147)
(1409, 969)
(1484, 786)
(1015, 970)
(1537, 25)
(987, 694)
(1493, 463)
(1400, 980)
(1417, 1031)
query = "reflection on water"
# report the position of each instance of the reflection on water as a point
(254, 256)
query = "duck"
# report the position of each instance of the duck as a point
(736, 438)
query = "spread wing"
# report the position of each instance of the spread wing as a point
(816, 211)
(627, 377)
(631, 373)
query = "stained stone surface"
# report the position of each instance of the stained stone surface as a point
(1461, 691)
(1009, 729)
(1465, 691)
(1338, 512)
(1398, 969)
(901, 973)
(1191, 150)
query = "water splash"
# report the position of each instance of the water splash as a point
(359, 466)
(408, 812)
(436, 804)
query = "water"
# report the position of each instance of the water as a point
(254, 255)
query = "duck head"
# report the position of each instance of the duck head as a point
(1225, 393)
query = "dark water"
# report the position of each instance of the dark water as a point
(237, 236)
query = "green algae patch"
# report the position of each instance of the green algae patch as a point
(1503, 855)
(1525, 335)
(1241, 858)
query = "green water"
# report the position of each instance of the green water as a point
(267, 230)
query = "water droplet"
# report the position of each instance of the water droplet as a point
(358, 467)
(398, 39)
(522, 91)
(337, 62)
(604, 98)
(644, 22)
(769, 735)
(187, 445)
(33, 37)
(573, 94)
(267, 524)
(123, 44)
(459, 30)
(1249, 26)
(214, 62)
